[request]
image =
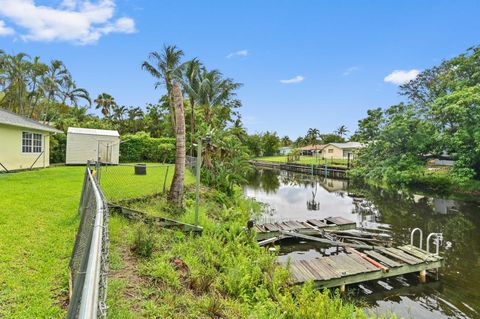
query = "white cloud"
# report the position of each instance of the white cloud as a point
(296, 79)
(4, 30)
(241, 53)
(350, 70)
(401, 76)
(77, 21)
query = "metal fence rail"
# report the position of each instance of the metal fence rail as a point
(89, 261)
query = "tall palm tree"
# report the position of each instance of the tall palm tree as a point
(312, 135)
(165, 66)
(52, 83)
(74, 93)
(214, 90)
(191, 84)
(134, 114)
(105, 102)
(14, 78)
(37, 71)
(176, 189)
(341, 131)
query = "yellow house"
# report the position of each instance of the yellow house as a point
(24, 143)
(340, 150)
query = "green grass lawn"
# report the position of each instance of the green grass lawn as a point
(306, 160)
(38, 223)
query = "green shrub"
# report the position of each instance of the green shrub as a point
(144, 241)
(140, 147)
(58, 148)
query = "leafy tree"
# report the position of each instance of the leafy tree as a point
(331, 138)
(369, 127)
(270, 143)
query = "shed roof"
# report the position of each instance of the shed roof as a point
(92, 131)
(13, 119)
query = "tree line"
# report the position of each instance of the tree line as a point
(440, 119)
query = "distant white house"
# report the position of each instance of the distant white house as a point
(285, 150)
(84, 144)
(341, 150)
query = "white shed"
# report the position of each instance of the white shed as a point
(85, 144)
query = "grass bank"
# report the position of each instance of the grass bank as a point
(309, 160)
(38, 223)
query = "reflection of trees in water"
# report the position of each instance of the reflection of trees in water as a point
(266, 180)
(313, 204)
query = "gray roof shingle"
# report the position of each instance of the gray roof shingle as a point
(10, 118)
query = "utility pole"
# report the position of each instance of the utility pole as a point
(198, 167)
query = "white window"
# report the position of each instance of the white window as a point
(31, 142)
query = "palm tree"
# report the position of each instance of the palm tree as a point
(37, 71)
(73, 93)
(176, 189)
(286, 141)
(134, 114)
(14, 78)
(165, 67)
(214, 90)
(105, 102)
(341, 131)
(312, 135)
(52, 82)
(191, 85)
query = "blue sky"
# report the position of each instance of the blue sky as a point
(333, 55)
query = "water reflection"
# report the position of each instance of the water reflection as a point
(302, 196)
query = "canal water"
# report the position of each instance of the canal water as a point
(295, 196)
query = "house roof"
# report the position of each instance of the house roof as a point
(13, 119)
(347, 145)
(313, 147)
(92, 131)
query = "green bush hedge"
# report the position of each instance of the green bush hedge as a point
(140, 147)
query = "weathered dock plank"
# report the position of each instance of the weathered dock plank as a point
(308, 227)
(382, 259)
(351, 268)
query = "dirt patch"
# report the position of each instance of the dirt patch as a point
(129, 274)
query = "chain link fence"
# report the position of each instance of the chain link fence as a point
(89, 261)
(124, 182)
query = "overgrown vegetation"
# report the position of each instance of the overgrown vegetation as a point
(221, 274)
(440, 119)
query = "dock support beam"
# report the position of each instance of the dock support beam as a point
(423, 276)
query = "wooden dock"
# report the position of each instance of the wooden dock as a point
(308, 227)
(355, 267)
(314, 169)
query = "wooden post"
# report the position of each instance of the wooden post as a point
(423, 276)
(343, 289)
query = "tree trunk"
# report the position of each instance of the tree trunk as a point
(176, 189)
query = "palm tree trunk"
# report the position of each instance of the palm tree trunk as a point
(176, 189)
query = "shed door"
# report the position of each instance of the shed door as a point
(105, 151)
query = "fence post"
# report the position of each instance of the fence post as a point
(197, 185)
(165, 180)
